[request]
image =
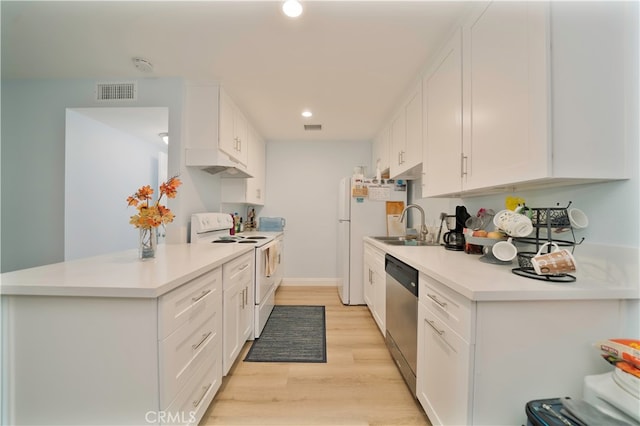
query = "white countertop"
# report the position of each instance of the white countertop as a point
(603, 272)
(122, 274)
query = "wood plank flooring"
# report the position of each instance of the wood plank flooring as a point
(359, 384)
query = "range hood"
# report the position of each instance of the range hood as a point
(215, 162)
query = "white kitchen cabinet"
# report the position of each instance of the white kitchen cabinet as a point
(480, 362)
(122, 360)
(406, 138)
(375, 285)
(212, 131)
(381, 150)
(238, 307)
(250, 190)
(442, 120)
(234, 139)
(539, 108)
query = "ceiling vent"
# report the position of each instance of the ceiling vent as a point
(116, 91)
(313, 126)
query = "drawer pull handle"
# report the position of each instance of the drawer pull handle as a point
(245, 266)
(203, 294)
(205, 389)
(204, 338)
(431, 323)
(435, 299)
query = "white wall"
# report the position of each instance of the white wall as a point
(302, 186)
(32, 185)
(95, 192)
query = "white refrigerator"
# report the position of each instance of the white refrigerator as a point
(358, 217)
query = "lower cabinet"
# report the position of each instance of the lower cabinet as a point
(480, 362)
(238, 307)
(113, 360)
(374, 284)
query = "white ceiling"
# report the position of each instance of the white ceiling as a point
(350, 62)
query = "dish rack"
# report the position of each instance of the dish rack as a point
(547, 223)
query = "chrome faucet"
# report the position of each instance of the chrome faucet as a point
(422, 235)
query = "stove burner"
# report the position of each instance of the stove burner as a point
(247, 241)
(256, 238)
(224, 241)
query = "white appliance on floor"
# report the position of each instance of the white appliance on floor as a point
(358, 217)
(213, 228)
(615, 393)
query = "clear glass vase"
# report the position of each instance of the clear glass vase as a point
(147, 243)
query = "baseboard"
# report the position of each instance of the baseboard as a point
(309, 282)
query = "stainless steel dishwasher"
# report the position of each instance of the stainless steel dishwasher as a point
(402, 317)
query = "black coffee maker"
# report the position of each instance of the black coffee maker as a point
(454, 238)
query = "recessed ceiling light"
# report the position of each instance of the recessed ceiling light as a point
(306, 114)
(292, 8)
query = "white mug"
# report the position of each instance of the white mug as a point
(578, 218)
(514, 224)
(504, 250)
(555, 263)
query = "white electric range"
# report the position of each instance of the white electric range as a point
(214, 228)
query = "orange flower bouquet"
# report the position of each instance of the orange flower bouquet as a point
(151, 215)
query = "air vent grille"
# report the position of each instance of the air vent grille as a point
(116, 91)
(313, 127)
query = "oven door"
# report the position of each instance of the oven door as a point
(266, 267)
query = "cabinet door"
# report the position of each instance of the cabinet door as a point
(233, 139)
(443, 371)
(442, 151)
(232, 307)
(412, 155)
(507, 93)
(368, 278)
(381, 151)
(241, 131)
(226, 137)
(257, 155)
(379, 290)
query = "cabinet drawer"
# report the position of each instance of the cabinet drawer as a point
(452, 308)
(184, 351)
(444, 371)
(194, 399)
(238, 270)
(186, 302)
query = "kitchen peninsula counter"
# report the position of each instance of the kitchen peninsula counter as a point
(603, 272)
(121, 274)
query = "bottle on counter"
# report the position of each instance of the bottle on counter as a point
(241, 226)
(236, 221)
(232, 230)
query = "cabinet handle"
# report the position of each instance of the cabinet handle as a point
(203, 294)
(242, 299)
(239, 145)
(205, 389)
(245, 266)
(463, 165)
(440, 332)
(435, 299)
(246, 295)
(204, 338)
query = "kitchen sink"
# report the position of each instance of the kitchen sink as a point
(402, 241)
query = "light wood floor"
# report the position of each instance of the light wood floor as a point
(359, 384)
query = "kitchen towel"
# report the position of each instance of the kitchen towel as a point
(271, 260)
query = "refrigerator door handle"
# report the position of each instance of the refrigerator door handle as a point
(343, 220)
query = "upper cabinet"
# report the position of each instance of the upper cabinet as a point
(381, 149)
(442, 121)
(250, 190)
(216, 132)
(406, 138)
(538, 106)
(234, 130)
